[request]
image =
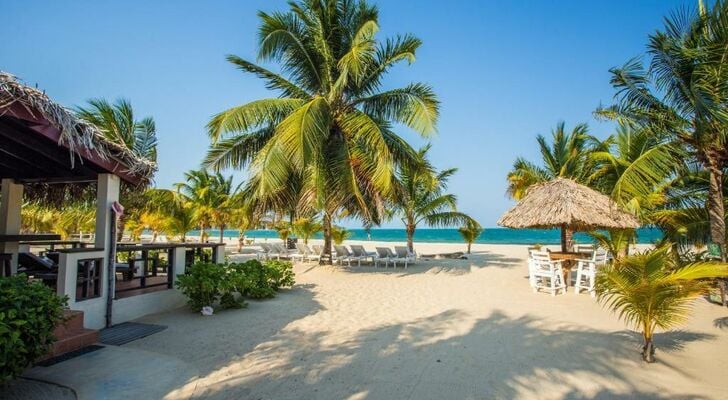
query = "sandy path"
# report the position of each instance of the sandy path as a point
(455, 329)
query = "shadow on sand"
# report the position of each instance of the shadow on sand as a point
(435, 358)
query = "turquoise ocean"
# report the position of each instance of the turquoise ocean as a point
(489, 236)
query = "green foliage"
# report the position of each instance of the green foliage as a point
(202, 284)
(306, 227)
(207, 284)
(652, 290)
(470, 233)
(339, 234)
(29, 312)
(284, 230)
(616, 241)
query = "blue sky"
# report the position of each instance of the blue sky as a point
(504, 70)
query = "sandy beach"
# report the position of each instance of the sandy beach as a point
(455, 329)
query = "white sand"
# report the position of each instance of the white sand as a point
(446, 329)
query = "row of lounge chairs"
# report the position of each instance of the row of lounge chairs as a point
(342, 254)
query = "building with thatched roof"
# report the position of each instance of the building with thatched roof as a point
(563, 203)
(33, 127)
(43, 142)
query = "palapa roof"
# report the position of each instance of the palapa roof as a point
(81, 138)
(563, 201)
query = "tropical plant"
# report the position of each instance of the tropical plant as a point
(615, 241)
(306, 228)
(566, 157)
(30, 313)
(212, 198)
(420, 197)
(330, 127)
(682, 95)
(340, 234)
(470, 233)
(651, 291)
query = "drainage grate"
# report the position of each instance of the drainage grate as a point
(127, 332)
(69, 355)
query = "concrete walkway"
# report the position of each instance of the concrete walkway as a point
(27, 389)
(115, 373)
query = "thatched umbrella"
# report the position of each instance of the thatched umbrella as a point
(568, 205)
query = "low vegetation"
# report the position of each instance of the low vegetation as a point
(226, 285)
(29, 312)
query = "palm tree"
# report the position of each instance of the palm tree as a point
(566, 157)
(651, 291)
(470, 233)
(306, 228)
(682, 95)
(118, 124)
(331, 123)
(213, 198)
(420, 197)
(339, 234)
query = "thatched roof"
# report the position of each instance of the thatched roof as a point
(563, 201)
(76, 134)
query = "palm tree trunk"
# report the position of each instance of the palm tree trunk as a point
(222, 233)
(716, 213)
(567, 239)
(469, 244)
(326, 255)
(411, 237)
(648, 351)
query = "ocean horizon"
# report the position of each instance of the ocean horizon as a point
(429, 235)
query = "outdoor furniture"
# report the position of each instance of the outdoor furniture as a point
(343, 254)
(312, 255)
(304, 253)
(279, 251)
(403, 254)
(546, 273)
(262, 254)
(583, 248)
(568, 261)
(586, 271)
(361, 254)
(386, 255)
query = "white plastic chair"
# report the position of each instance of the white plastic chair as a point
(586, 271)
(546, 273)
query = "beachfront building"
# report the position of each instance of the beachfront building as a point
(43, 143)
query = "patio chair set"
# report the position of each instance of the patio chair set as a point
(342, 254)
(551, 271)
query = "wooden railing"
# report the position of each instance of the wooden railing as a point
(88, 278)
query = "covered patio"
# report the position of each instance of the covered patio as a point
(43, 144)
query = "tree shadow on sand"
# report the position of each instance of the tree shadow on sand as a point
(448, 355)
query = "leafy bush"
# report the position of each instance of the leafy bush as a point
(225, 284)
(280, 274)
(202, 284)
(29, 311)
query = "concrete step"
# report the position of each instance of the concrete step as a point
(74, 340)
(73, 322)
(71, 335)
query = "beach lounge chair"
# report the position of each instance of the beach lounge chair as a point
(343, 254)
(404, 255)
(386, 255)
(311, 255)
(279, 251)
(262, 254)
(546, 273)
(361, 254)
(301, 253)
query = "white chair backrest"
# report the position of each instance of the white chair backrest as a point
(600, 256)
(318, 249)
(341, 251)
(402, 251)
(301, 248)
(383, 252)
(265, 247)
(583, 248)
(358, 250)
(538, 255)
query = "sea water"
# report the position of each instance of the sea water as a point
(489, 235)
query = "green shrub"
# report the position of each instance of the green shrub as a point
(259, 284)
(280, 274)
(29, 311)
(202, 284)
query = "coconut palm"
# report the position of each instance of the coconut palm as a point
(470, 233)
(682, 95)
(567, 156)
(339, 234)
(331, 122)
(306, 228)
(212, 197)
(420, 197)
(650, 291)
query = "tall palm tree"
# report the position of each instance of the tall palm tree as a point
(566, 157)
(420, 197)
(331, 122)
(682, 95)
(651, 291)
(212, 196)
(117, 123)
